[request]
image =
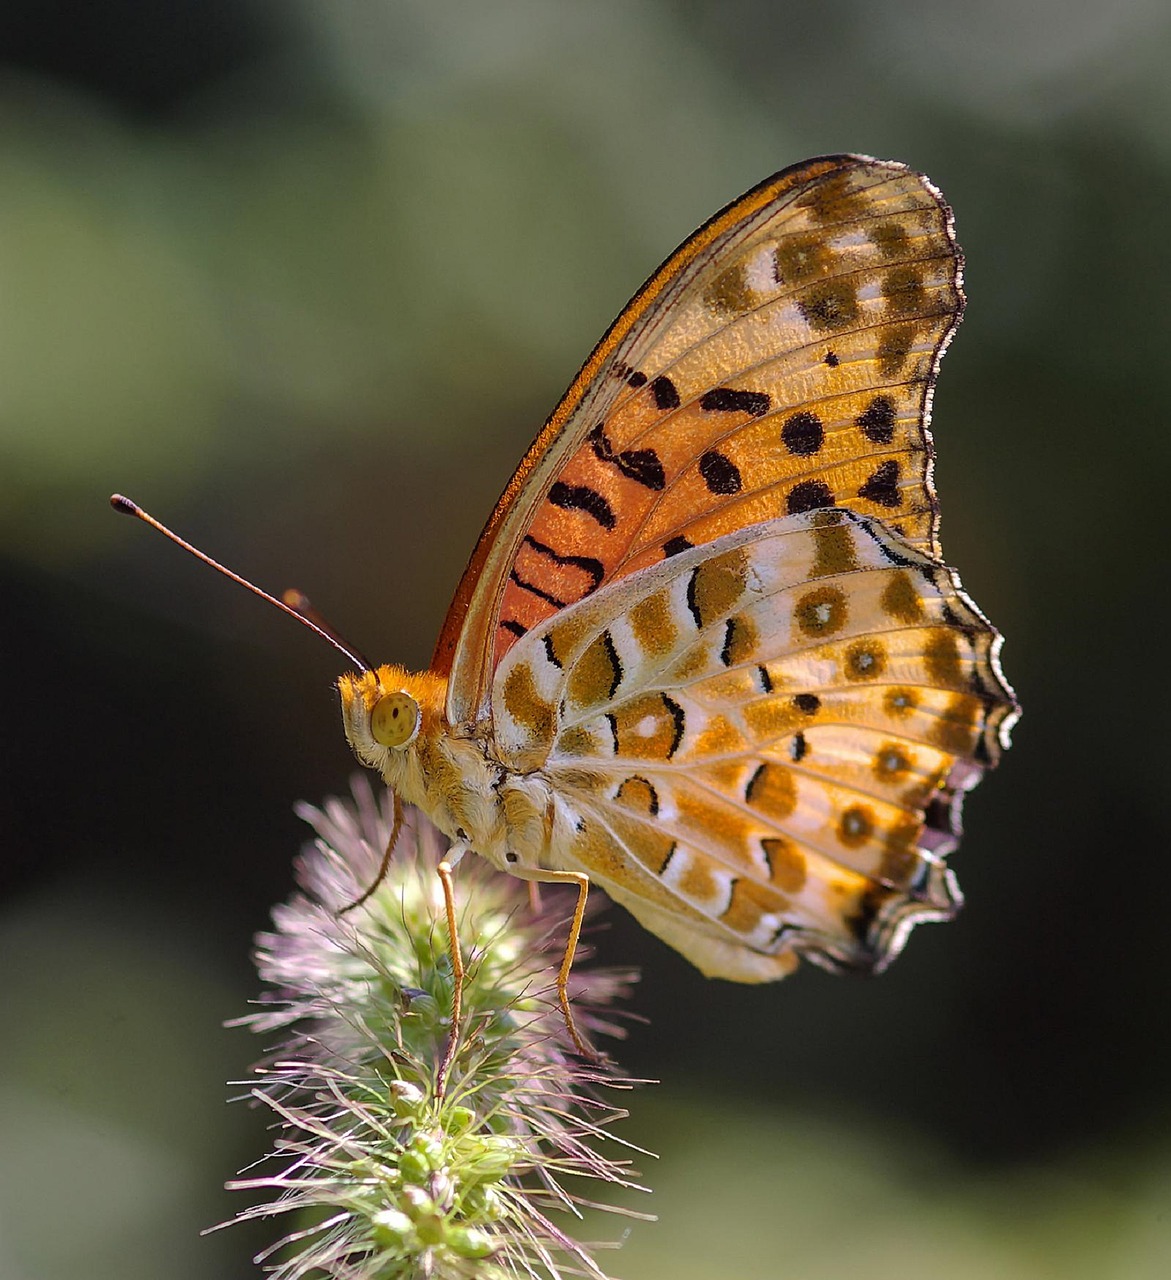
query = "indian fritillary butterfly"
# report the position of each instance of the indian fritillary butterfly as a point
(706, 654)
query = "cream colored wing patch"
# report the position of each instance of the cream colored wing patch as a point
(760, 745)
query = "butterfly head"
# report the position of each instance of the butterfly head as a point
(387, 713)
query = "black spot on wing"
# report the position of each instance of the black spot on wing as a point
(673, 546)
(636, 378)
(643, 466)
(640, 465)
(877, 420)
(883, 486)
(511, 624)
(720, 473)
(809, 703)
(809, 495)
(729, 400)
(803, 434)
(665, 394)
(580, 497)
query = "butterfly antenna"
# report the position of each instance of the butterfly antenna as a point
(302, 606)
(126, 507)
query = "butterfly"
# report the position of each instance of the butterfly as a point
(705, 654)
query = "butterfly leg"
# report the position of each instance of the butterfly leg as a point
(457, 964)
(384, 865)
(582, 881)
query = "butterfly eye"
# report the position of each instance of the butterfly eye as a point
(394, 720)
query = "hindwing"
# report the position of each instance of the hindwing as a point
(760, 745)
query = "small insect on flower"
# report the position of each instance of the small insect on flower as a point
(394, 1168)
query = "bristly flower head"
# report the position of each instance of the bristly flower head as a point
(391, 1176)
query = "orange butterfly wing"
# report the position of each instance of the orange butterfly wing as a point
(781, 360)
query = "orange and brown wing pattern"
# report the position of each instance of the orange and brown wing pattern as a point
(760, 746)
(781, 361)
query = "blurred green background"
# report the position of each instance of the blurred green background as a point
(305, 278)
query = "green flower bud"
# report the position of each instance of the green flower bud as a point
(392, 1228)
(469, 1242)
(406, 1098)
(414, 1167)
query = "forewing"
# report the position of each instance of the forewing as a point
(780, 361)
(761, 745)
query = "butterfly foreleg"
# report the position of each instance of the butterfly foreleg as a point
(384, 865)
